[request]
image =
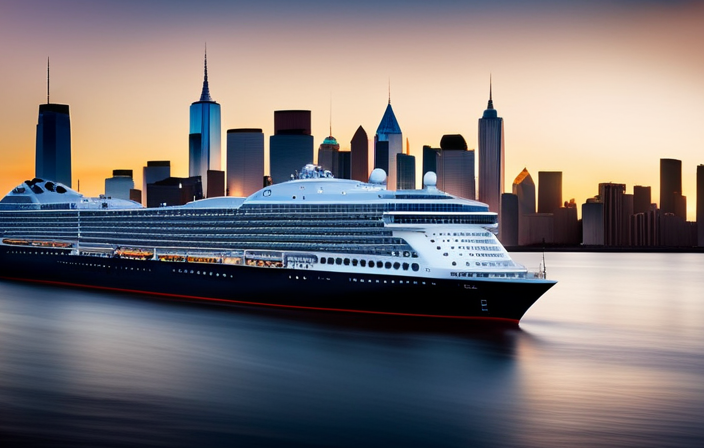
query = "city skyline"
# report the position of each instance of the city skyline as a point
(601, 92)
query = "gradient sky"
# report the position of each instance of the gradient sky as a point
(599, 90)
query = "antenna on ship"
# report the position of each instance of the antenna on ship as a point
(543, 270)
(47, 80)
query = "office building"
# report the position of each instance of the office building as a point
(216, 184)
(593, 223)
(245, 161)
(388, 144)
(671, 200)
(615, 216)
(406, 172)
(155, 171)
(53, 144)
(700, 205)
(641, 199)
(119, 185)
(328, 155)
(549, 191)
(508, 220)
(359, 157)
(174, 191)
(204, 138)
(524, 189)
(455, 167)
(291, 146)
(491, 156)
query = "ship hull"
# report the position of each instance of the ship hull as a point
(310, 289)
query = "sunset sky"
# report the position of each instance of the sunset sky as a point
(599, 90)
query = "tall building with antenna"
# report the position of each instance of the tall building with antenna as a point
(53, 145)
(388, 144)
(204, 136)
(491, 156)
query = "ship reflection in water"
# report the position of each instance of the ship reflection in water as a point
(594, 363)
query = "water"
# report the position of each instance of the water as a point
(613, 356)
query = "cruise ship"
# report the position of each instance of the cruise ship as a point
(314, 242)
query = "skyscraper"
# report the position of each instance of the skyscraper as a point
(671, 187)
(641, 199)
(155, 171)
(328, 155)
(524, 189)
(614, 215)
(454, 165)
(245, 161)
(204, 139)
(700, 204)
(491, 156)
(405, 172)
(388, 132)
(291, 146)
(359, 159)
(549, 191)
(53, 145)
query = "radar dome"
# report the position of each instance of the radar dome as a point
(378, 176)
(430, 179)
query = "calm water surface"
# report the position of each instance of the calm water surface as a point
(613, 356)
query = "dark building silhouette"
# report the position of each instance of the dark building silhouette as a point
(508, 225)
(136, 195)
(216, 184)
(291, 146)
(174, 191)
(549, 191)
(671, 199)
(381, 157)
(245, 161)
(406, 172)
(641, 199)
(53, 146)
(615, 216)
(700, 205)
(155, 171)
(359, 157)
(491, 156)
(593, 223)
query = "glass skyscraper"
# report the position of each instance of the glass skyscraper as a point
(389, 131)
(53, 155)
(204, 137)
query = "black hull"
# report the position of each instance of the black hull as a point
(277, 287)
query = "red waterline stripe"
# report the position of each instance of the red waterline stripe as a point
(244, 302)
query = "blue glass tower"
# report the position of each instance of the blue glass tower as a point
(53, 145)
(388, 131)
(204, 137)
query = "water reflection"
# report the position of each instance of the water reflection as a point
(593, 363)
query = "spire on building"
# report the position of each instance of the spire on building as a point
(205, 94)
(490, 112)
(47, 80)
(491, 101)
